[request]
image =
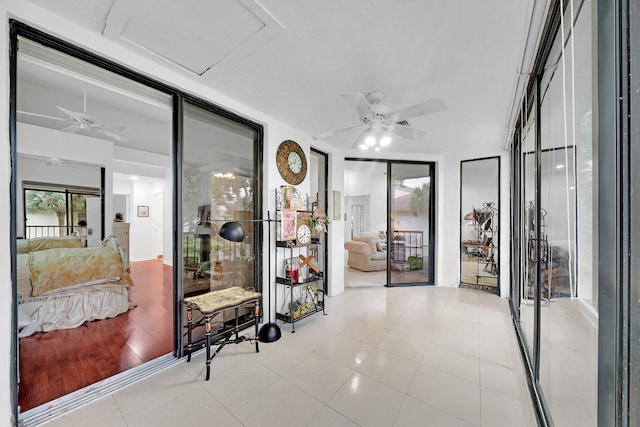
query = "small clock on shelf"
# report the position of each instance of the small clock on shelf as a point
(303, 232)
(291, 162)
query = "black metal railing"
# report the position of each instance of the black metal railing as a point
(34, 231)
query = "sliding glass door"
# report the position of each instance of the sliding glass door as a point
(390, 235)
(219, 184)
(555, 203)
(410, 225)
(101, 149)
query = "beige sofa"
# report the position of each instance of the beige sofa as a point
(366, 252)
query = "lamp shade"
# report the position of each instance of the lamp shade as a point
(233, 231)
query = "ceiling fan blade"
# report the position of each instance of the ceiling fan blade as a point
(43, 116)
(432, 106)
(80, 117)
(408, 132)
(112, 135)
(67, 112)
(333, 132)
(74, 128)
(360, 103)
(114, 128)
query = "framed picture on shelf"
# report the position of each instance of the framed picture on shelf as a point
(296, 204)
(143, 210)
(288, 224)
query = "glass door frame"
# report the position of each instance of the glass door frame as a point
(20, 29)
(325, 206)
(610, 375)
(258, 227)
(498, 231)
(432, 213)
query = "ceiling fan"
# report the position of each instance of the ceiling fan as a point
(380, 124)
(83, 123)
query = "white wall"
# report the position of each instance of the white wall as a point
(366, 183)
(142, 229)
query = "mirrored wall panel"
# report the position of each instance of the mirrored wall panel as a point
(479, 224)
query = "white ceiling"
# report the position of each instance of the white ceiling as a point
(292, 59)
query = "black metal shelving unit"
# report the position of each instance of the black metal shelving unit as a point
(299, 295)
(305, 295)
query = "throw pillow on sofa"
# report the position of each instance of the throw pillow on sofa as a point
(368, 240)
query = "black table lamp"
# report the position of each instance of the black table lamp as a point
(234, 231)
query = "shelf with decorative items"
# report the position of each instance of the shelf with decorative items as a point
(300, 286)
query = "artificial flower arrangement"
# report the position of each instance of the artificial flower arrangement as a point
(319, 220)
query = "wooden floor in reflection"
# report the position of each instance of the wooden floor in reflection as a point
(56, 363)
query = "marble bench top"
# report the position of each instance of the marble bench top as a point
(223, 299)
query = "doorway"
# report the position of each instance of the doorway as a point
(357, 219)
(390, 235)
(319, 176)
(158, 225)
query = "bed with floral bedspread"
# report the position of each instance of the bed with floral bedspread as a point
(62, 284)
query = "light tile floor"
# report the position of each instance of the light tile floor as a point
(415, 356)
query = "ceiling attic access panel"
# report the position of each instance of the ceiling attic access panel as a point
(209, 38)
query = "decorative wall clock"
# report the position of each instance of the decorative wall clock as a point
(291, 162)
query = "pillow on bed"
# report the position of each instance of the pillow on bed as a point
(41, 243)
(53, 269)
(23, 276)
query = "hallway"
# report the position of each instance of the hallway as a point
(411, 356)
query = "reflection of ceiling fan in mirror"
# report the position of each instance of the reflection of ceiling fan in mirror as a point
(380, 124)
(83, 123)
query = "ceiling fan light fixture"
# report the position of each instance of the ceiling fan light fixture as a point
(370, 140)
(363, 146)
(227, 175)
(376, 148)
(385, 140)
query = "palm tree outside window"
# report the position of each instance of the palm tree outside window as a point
(50, 212)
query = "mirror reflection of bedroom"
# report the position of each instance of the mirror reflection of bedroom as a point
(479, 208)
(94, 168)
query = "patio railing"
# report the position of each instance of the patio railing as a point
(34, 231)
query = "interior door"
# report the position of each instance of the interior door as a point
(158, 225)
(357, 218)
